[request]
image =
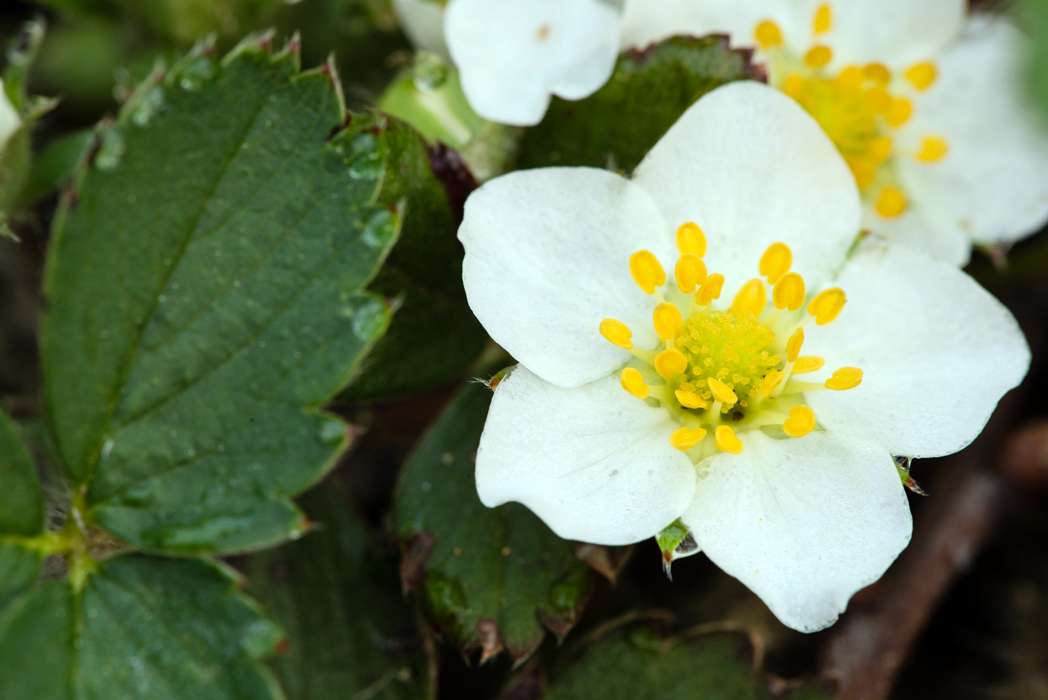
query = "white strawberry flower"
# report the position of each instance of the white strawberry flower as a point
(923, 102)
(514, 55)
(10, 121)
(764, 409)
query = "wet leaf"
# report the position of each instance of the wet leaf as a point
(206, 295)
(617, 125)
(143, 628)
(489, 577)
(21, 513)
(351, 633)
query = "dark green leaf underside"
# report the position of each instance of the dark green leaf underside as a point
(205, 296)
(142, 628)
(21, 513)
(489, 570)
(617, 125)
(350, 631)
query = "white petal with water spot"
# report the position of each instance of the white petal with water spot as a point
(804, 523)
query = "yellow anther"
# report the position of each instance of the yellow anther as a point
(921, 75)
(686, 438)
(647, 271)
(878, 73)
(850, 79)
(808, 363)
(826, 305)
(800, 423)
(862, 171)
(710, 289)
(898, 113)
(668, 320)
(823, 19)
(616, 333)
(775, 262)
(689, 399)
(933, 148)
(690, 272)
(880, 149)
(788, 292)
(793, 345)
(670, 362)
(891, 202)
(878, 99)
(818, 56)
(767, 34)
(691, 239)
(633, 382)
(845, 378)
(725, 439)
(751, 298)
(770, 381)
(794, 85)
(721, 392)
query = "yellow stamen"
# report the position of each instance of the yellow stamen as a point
(751, 298)
(647, 271)
(921, 75)
(845, 378)
(767, 34)
(670, 362)
(770, 381)
(689, 399)
(898, 113)
(691, 239)
(891, 202)
(808, 363)
(823, 19)
(818, 56)
(880, 149)
(725, 439)
(616, 333)
(686, 438)
(826, 305)
(775, 262)
(690, 272)
(788, 292)
(800, 423)
(633, 382)
(850, 79)
(878, 99)
(862, 171)
(794, 85)
(668, 321)
(878, 73)
(710, 289)
(793, 345)
(933, 148)
(721, 392)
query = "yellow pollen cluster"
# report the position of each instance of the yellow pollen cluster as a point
(724, 371)
(859, 107)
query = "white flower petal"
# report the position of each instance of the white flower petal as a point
(948, 244)
(547, 259)
(647, 21)
(750, 167)
(593, 462)
(897, 33)
(993, 184)
(9, 119)
(423, 22)
(513, 54)
(804, 523)
(937, 353)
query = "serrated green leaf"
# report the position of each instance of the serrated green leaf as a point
(649, 90)
(21, 513)
(351, 633)
(489, 577)
(635, 664)
(205, 296)
(143, 628)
